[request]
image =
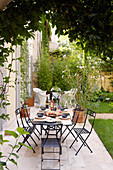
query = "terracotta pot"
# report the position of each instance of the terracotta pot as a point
(30, 102)
(81, 117)
(25, 114)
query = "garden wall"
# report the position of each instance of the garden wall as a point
(105, 81)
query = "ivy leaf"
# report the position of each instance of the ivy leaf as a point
(9, 66)
(3, 116)
(13, 161)
(14, 134)
(21, 131)
(2, 163)
(14, 154)
(1, 156)
(11, 146)
(6, 79)
(16, 146)
(5, 140)
(1, 139)
(74, 8)
(25, 145)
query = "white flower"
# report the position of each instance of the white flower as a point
(64, 56)
(81, 67)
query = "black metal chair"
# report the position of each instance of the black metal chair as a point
(21, 122)
(30, 121)
(84, 131)
(52, 139)
(70, 127)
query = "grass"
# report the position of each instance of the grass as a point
(101, 107)
(104, 129)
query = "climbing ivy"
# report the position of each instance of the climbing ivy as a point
(24, 70)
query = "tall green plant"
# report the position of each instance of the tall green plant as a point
(44, 74)
(82, 73)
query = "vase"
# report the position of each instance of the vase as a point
(25, 114)
(30, 102)
(81, 117)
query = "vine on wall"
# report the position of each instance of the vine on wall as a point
(24, 69)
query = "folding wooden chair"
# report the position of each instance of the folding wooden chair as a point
(21, 122)
(84, 131)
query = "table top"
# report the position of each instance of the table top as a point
(47, 117)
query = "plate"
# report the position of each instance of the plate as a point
(65, 111)
(50, 120)
(40, 110)
(43, 117)
(67, 118)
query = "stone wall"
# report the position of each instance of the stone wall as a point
(105, 81)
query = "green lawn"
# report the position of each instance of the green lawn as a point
(104, 129)
(101, 107)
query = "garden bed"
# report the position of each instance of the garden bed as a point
(101, 107)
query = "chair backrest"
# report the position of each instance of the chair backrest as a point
(22, 121)
(17, 113)
(26, 119)
(40, 96)
(54, 127)
(92, 115)
(19, 119)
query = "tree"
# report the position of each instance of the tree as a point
(90, 22)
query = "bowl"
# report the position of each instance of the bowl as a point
(43, 108)
(64, 115)
(40, 114)
(62, 109)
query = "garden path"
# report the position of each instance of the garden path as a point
(104, 116)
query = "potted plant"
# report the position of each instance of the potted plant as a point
(81, 99)
(25, 113)
(30, 101)
(82, 78)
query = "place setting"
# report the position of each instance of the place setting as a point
(52, 115)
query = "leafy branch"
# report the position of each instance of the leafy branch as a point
(20, 132)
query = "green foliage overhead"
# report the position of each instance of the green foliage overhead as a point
(90, 22)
